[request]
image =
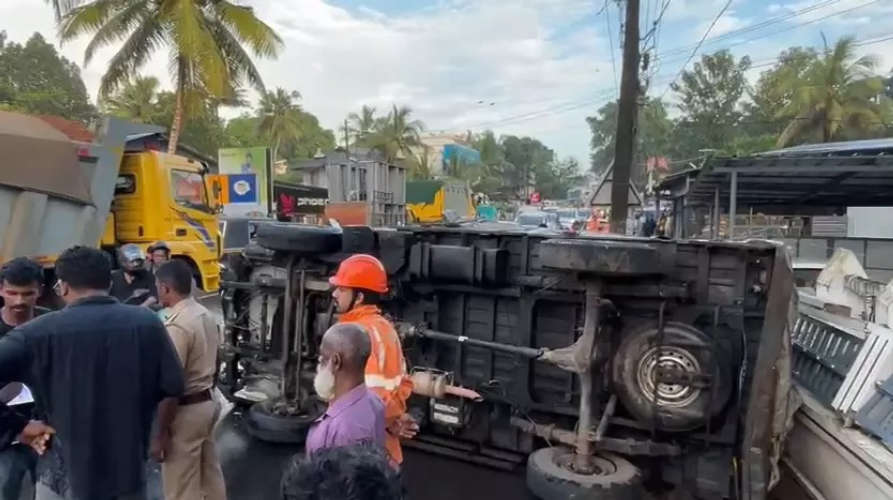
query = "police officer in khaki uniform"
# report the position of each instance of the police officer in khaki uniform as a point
(184, 443)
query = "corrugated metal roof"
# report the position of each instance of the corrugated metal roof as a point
(863, 147)
(859, 173)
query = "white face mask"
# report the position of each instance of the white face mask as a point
(324, 382)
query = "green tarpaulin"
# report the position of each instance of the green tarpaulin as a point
(422, 191)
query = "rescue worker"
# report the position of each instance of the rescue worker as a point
(184, 443)
(604, 225)
(133, 283)
(360, 283)
(158, 253)
(594, 221)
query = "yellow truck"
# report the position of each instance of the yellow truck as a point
(159, 196)
(56, 192)
(429, 201)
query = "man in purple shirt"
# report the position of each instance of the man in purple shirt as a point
(355, 414)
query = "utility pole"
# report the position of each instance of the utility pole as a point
(627, 110)
(346, 141)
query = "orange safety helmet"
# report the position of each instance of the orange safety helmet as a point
(361, 271)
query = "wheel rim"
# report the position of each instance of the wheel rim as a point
(668, 358)
(601, 466)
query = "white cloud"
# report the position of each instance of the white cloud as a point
(544, 64)
(725, 24)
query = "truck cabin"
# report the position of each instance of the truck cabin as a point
(159, 196)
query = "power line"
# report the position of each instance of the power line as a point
(751, 28)
(611, 44)
(862, 44)
(655, 64)
(652, 31)
(651, 8)
(602, 94)
(698, 46)
(790, 28)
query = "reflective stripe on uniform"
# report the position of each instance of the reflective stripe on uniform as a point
(379, 345)
(374, 381)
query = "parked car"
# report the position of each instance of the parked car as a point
(537, 220)
(571, 218)
(604, 363)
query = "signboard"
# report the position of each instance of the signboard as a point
(246, 176)
(457, 156)
(299, 199)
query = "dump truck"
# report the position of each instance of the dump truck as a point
(433, 201)
(611, 365)
(56, 192)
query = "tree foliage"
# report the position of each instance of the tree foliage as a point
(653, 133)
(34, 78)
(137, 100)
(774, 91)
(362, 124)
(710, 102)
(279, 117)
(141, 100)
(395, 134)
(808, 95)
(837, 97)
(206, 44)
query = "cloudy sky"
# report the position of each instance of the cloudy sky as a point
(526, 67)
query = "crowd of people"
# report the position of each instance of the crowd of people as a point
(126, 371)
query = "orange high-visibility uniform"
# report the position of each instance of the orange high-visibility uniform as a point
(592, 225)
(386, 368)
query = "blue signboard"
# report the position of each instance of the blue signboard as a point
(456, 155)
(242, 188)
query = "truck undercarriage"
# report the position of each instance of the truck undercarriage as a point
(611, 365)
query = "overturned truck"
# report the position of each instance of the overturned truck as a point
(611, 365)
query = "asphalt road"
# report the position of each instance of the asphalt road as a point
(253, 470)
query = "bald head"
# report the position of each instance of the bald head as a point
(351, 342)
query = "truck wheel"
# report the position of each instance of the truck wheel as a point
(302, 238)
(268, 425)
(550, 477)
(681, 407)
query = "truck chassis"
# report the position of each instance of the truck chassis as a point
(640, 364)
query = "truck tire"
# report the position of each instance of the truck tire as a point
(300, 238)
(687, 349)
(549, 477)
(264, 424)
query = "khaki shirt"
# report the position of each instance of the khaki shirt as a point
(193, 330)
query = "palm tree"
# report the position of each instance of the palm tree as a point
(135, 100)
(420, 165)
(279, 117)
(60, 7)
(362, 124)
(206, 41)
(395, 134)
(838, 93)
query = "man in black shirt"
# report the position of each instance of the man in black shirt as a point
(133, 283)
(98, 370)
(20, 287)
